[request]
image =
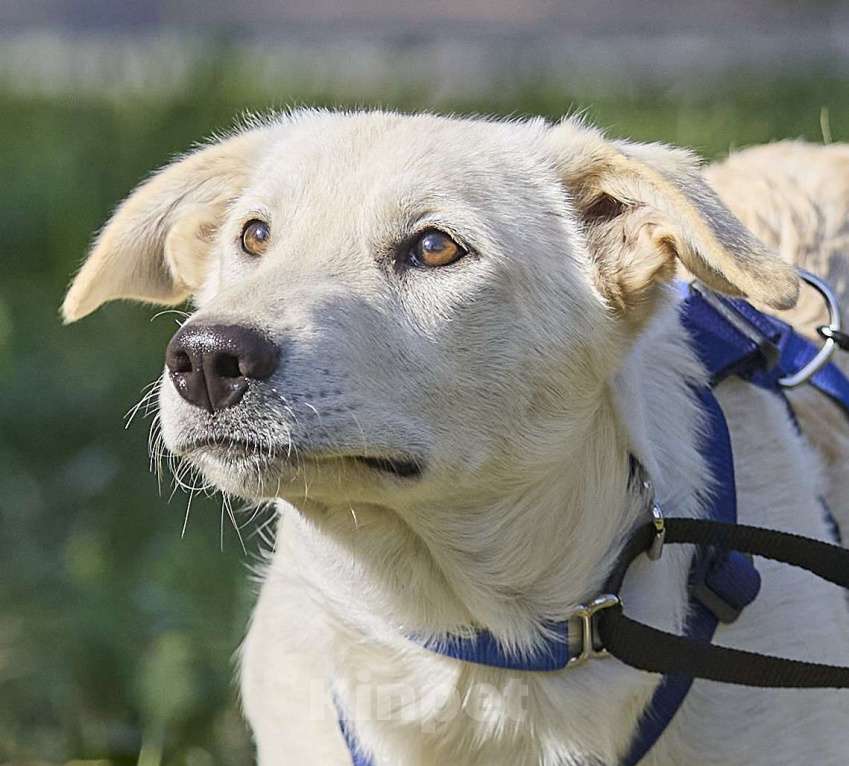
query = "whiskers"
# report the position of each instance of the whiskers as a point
(147, 405)
(227, 505)
(291, 448)
(253, 511)
(185, 475)
(248, 451)
(182, 316)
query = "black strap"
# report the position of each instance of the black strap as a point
(657, 651)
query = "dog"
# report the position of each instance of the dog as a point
(435, 342)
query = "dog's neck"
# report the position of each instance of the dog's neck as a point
(377, 585)
(514, 559)
(508, 562)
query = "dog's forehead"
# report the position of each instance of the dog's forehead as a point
(412, 159)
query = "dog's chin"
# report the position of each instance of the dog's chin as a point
(255, 472)
(237, 469)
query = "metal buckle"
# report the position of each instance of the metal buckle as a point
(591, 648)
(827, 332)
(655, 551)
(832, 332)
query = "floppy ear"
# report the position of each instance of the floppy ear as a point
(645, 205)
(155, 246)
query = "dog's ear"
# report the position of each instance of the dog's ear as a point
(155, 246)
(645, 205)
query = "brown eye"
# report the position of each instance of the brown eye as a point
(255, 236)
(433, 248)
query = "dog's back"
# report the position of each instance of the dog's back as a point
(795, 197)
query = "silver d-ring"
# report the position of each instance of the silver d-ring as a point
(823, 356)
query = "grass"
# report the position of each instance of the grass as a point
(116, 634)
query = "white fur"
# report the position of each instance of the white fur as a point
(522, 376)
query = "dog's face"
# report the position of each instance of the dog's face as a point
(426, 302)
(406, 311)
(393, 276)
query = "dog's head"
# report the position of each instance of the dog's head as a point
(407, 311)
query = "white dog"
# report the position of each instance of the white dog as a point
(436, 342)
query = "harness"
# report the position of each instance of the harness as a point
(731, 338)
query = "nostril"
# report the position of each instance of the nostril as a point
(180, 362)
(227, 366)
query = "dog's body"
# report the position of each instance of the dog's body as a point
(449, 444)
(795, 197)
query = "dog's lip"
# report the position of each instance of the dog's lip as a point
(404, 468)
(248, 446)
(401, 465)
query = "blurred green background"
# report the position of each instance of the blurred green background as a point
(117, 635)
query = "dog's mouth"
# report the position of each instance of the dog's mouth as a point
(404, 468)
(235, 450)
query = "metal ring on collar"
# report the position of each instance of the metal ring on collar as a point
(833, 328)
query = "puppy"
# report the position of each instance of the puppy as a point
(434, 343)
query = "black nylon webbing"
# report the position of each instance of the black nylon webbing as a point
(646, 648)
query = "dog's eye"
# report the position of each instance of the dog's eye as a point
(435, 248)
(255, 237)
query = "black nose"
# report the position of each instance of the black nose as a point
(211, 365)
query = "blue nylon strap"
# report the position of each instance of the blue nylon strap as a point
(724, 350)
(721, 347)
(483, 649)
(720, 584)
(358, 757)
(734, 578)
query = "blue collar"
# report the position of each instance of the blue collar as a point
(720, 584)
